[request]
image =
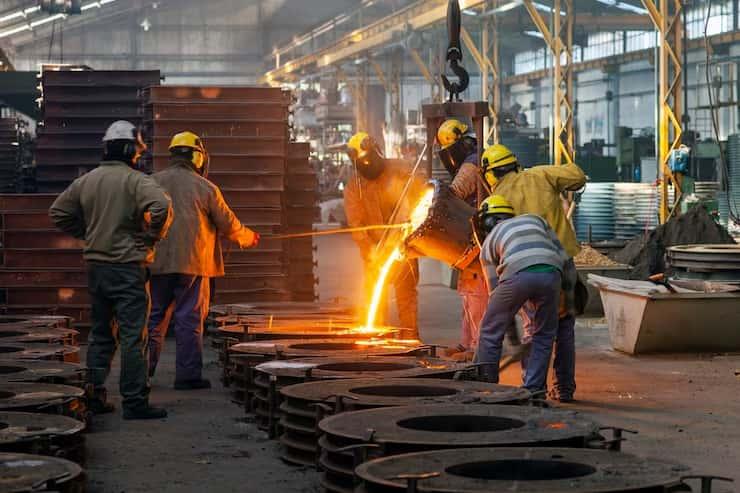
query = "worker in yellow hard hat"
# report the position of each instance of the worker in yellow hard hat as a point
(371, 197)
(189, 257)
(525, 265)
(539, 190)
(458, 152)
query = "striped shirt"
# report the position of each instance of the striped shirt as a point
(517, 244)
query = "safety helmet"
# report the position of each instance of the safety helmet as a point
(495, 157)
(121, 130)
(450, 132)
(365, 153)
(189, 140)
(492, 210)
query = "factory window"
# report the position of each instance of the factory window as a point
(530, 61)
(719, 22)
(640, 40)
(601, 45)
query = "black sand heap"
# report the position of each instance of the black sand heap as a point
(646, 253)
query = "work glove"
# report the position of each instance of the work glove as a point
(248, 238)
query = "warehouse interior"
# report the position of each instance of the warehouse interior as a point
(350, 331)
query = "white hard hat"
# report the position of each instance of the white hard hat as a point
(120, 130)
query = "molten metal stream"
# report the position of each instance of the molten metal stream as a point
(418, 216)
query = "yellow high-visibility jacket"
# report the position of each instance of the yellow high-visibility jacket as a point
(537, 191)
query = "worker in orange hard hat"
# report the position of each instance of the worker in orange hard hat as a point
(190, 257)
(371, 198)
(459, 155)
(538, 191)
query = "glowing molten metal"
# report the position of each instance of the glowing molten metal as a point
(418, 216)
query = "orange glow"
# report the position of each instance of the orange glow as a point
(556, 426)
(419, 215)
(378, 289)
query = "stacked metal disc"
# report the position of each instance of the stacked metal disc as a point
(596, 211)
(524, 470)
(706, 262)
(271, 377)
(243, 357)
(729, 196)
(52, 352)
(44, 398)
(305, 405)
(42, 335)
(352, 438)
(37, 473)
(19, 370)
(635, 209)
(44, 434)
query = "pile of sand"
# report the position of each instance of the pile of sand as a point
(590, 257)
(646, 253)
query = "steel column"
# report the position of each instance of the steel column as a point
(491, 80)
(667, 20)
(560, 42)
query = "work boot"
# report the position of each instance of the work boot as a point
(199, 384)
(98, 403)
(144, 411)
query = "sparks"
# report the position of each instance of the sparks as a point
(419, 215)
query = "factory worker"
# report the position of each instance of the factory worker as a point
(370, 198)
(539, 190)
(189, 257)
(121, 214)
(459, 155)
(525, 266)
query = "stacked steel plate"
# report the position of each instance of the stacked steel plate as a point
(78, 106)
(37, 473)
(8, 155)
(264, 177)
(729, 194)
(42, 268)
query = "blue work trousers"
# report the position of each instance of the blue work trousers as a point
(564, 364)
(541, 291)
(183, 299)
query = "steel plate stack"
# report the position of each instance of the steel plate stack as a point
(706, 190)
(78, 106)
(596, 210)
(42, 268)
(252, 159)
(301, 186)
(706, 262)
(8, 154)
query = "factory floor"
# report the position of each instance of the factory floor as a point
(686, 408)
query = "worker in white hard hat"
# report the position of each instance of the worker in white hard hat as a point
(189, 257)
(121, 214)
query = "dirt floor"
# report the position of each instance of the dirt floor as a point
(686, 408)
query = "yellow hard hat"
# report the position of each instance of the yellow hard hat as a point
(450, 132)
(187, 139)
(495, 204)
(494, 157)
(359, 144)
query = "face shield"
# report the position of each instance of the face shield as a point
(453, 156)
(367, 160)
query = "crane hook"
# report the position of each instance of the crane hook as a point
(454, 53)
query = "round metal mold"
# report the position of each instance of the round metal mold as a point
(43, 434)
(16, 370)
(243, 357)
(304, 405)
(50, 321)
(525, 470)
(29, 472)
(348, 439)
(35, 335)
(281, 308)
(272, 376)
(52, 352)
(43, 398)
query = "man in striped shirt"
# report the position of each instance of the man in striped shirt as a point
(525, 266)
